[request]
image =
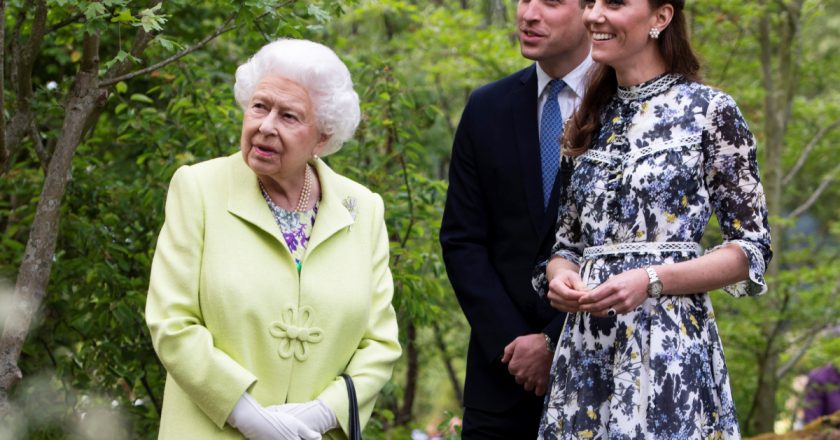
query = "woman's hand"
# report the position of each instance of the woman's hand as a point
(257, 423)
(622, 293)
(565, 290)
(314, 414)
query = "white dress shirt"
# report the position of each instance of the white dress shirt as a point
(570, 97)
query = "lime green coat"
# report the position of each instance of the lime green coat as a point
(228, 311)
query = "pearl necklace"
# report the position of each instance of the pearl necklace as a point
(303, 201)
(305, 192)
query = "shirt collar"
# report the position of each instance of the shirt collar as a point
(575, 80)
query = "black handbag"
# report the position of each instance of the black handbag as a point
(355, 428)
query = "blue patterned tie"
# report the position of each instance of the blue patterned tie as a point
(551, 129)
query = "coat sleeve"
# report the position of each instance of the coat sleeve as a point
(465, 237)
(378, 350)
(213, 381)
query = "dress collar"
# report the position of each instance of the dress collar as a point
(648, 89)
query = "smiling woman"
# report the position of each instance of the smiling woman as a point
(655, 154)
(255, 309)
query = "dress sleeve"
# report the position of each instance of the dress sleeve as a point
(379, 349)
(211, 378)
(737, 197)
(568, 242)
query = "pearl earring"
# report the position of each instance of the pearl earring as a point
(654, 33)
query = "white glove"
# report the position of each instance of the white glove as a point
(256, 423)
(314, 414)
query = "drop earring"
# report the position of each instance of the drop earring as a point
(654, 33)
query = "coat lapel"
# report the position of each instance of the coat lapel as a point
(334, 211)
(246, 202)
(528, 143)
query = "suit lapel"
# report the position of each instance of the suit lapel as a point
(528, 143)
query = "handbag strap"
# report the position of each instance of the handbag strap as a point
(355, 428)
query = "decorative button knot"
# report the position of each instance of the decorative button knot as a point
(295, 332)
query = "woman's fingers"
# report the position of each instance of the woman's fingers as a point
(619, 294)
(561, 295)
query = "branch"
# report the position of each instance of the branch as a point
(816, 194)
(34, 271)
(219, 31)
(38, 144)
(785, 369)
(65, 22)
(4, 152)
(812, 334)
(807, 150)
(141, 41)
(731, 56)
(14, 46)
(30, 52)
(23, 59)
(766, 65)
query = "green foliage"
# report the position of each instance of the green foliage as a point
(413, 64)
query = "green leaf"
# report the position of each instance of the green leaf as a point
(123, 16)
(150, 21)
(138, 97)
(121, 87)
(94, 10)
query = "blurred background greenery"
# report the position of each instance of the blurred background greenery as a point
(88, 367)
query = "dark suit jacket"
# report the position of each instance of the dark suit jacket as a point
(495, 231)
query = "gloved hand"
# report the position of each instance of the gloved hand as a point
(314, 414)
(256, 423)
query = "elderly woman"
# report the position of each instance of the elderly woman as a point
(270, 277)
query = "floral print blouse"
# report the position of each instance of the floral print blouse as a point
(295, 226)
(670, 152)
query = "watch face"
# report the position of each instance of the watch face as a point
(655, 289)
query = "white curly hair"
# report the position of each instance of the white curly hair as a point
(319, 70)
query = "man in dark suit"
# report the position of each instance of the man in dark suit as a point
(498, 222)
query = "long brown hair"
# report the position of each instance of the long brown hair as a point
(679, 58)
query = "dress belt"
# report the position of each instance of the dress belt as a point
(643, 247)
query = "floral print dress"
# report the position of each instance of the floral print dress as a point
(670, 152)
(295, 226)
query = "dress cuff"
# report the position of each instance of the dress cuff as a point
(755, 284)
(538, 279)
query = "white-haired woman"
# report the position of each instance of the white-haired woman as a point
(270, 277)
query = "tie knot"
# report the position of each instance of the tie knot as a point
(554, 88)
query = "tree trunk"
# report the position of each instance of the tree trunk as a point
(780, 80)
(447, 362)
(4, 152)
(412, 371)
(33, 276)
(765, 396)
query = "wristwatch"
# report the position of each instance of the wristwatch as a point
(549, 344)
(654, 289)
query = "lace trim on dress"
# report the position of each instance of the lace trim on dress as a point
(644, 247)
(649, 88)
(685, 141)
(600, 156)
